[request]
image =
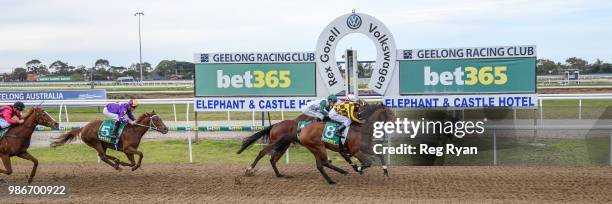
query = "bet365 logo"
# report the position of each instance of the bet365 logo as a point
(486, 75)
(259, 79)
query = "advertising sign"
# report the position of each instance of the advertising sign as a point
(250, 103)
(53, 95)
(369, 26)
(281, 79)
(458, 76)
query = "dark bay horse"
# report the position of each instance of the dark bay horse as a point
(17, 140)
(289, 127)
(274, 132)
(359, 142)
(129, 140)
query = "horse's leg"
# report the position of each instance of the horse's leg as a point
(262, 153)
(130, 157)
(327, 163)
(7, 164)
(133, 150)
(321, 157)
(383, 163)
(274, 159)
(365, 161)
(28, 156)
(102, 154)
(117, 161)
(348, 159)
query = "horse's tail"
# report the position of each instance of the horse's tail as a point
(253, 138)
(66, 137)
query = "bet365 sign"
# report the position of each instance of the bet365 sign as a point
(457, 76)
(255, 79)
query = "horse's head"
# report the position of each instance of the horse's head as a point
(156, 123)
(378, 112)
(41, 117)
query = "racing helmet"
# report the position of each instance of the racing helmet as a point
(332, 98)
(133, 103)
(19, 105)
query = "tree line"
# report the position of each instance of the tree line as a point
(102, 70)
(545, 66)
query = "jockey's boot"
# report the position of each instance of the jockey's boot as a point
(116, 129)
(341, 131)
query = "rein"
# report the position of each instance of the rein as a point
(151, 124)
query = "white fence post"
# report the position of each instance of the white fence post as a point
(60, 116)
(286, 152)
(174, 110)
(579, 109)
(494, 148)
(187, 115)
(190, 149)
(66, 113)
(253, 117)
(541, 112)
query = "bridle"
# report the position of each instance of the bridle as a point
(151, 124)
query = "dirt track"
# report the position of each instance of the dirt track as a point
(225, 183)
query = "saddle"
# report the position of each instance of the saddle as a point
(105, 133)
(3, 131)
(330, 133)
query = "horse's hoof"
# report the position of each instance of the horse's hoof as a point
(280, 175)
(331, 182)
(134, 168)
(250, 172)
(30, 180)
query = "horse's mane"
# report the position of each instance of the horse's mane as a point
(371, 109)
(143, 116)
(26, 116)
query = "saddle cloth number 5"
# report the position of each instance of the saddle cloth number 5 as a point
(105, 131)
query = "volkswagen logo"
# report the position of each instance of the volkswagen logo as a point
(353, 21)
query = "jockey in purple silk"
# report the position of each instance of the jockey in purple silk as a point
(118, 113)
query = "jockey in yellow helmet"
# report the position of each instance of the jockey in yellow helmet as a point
(345, 113)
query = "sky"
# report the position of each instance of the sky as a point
(80, 32)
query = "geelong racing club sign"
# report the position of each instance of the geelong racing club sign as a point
(356, 23)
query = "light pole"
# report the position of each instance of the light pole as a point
(139, 43)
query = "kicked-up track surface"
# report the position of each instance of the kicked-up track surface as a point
(199, 183)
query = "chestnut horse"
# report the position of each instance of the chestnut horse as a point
(128, 142)
(17, 140)
(358, 142)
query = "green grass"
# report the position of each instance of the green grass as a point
(553, 152)
(170, 152)
(542, 152)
